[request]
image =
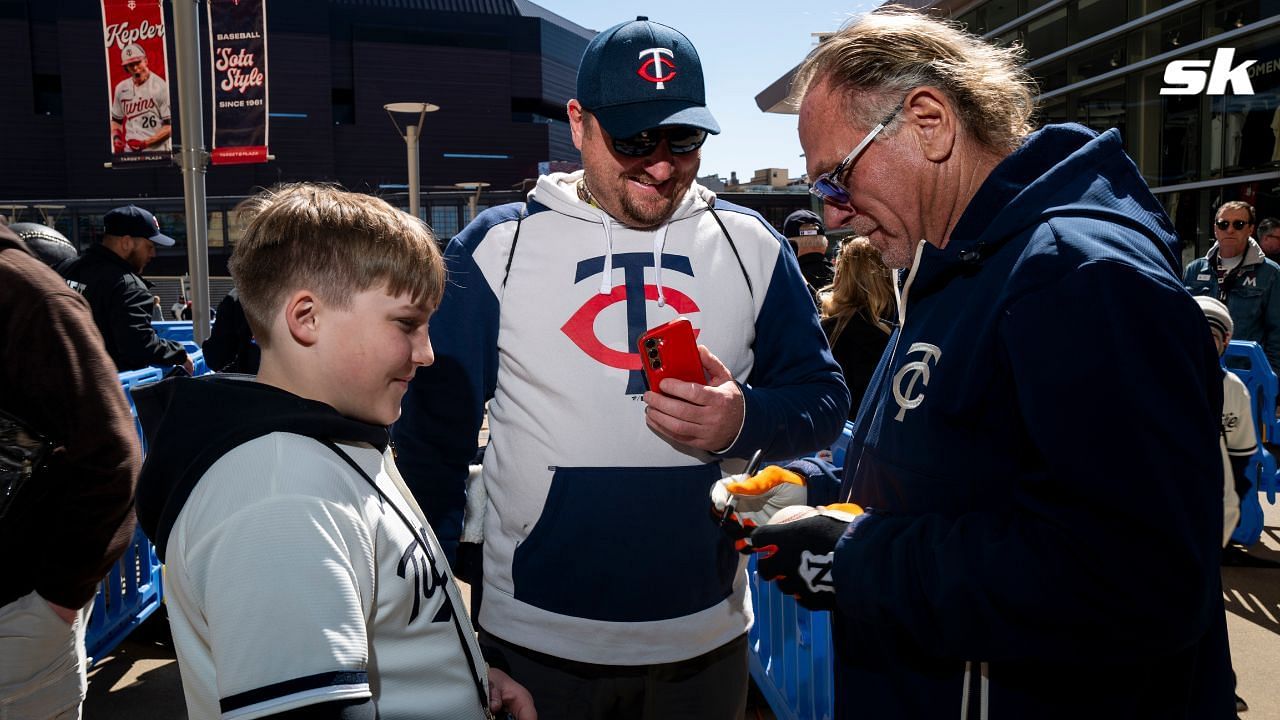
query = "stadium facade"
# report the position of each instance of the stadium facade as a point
(1102, 63)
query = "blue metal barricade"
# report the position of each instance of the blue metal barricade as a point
(133, 589)
(1249, 363)
(790, 647)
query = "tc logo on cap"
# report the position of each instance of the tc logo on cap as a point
(657, 62)
(131, 54)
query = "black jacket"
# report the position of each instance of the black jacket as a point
(230, 348)
(121, 304)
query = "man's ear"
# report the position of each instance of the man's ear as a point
(301, 315)
(932, 117)
(577, 122)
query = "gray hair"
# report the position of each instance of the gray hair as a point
(886, 53)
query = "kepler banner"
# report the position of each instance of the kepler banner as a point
(238, 76)
(137, 80)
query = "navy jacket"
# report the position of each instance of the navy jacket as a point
(121, 302)
(1038, 456)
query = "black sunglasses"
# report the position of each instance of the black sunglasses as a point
(682, 139)
(1237, 224)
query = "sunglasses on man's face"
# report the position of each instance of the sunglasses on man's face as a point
(682, 140)
(828, 186)
(1237, 224)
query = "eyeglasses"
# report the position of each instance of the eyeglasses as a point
(682, 139)
(828, 185)
(1237, 224)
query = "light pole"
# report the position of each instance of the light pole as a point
(474, 199)
(410, 135)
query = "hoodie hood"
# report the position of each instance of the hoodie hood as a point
(189, 423)
(1058, 170)
(559, 192)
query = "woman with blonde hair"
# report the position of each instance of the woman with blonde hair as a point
(856, 309)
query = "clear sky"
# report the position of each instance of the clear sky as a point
(744, 46)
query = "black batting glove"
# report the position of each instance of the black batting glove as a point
(796, 550)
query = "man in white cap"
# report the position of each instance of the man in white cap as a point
(140, 119)
(109, 275)
(598, 615)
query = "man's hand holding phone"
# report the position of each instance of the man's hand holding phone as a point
(704, 416)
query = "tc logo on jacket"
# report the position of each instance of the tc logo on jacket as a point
(913, 373)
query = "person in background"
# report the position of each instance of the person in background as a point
(857, 309)
(230, 347)
(69, 523)
(1269, 238)
(982, 580)
(1236, 271)
(109, 276)
(540, 320)
(805, 233)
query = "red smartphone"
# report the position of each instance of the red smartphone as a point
(670, 351)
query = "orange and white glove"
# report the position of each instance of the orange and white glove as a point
(741, 503)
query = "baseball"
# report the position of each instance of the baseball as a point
(792, 513)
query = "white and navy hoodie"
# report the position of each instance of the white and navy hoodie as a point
(599, 542)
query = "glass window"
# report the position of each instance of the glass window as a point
(1093, 17)
(1172, 32)
(1169, 133)
(1047, 33)
(235, 227)
(1051, 76)
(1096, 60)
(1227, 15)
(444, 221)
(216, 229)
(1103, 108)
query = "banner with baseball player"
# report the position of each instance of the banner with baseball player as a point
(133, 33)
(238, 77)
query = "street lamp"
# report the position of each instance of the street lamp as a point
(410, 135)
(474, 200)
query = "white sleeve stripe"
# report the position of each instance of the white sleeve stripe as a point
(293, 702)
(330, 686)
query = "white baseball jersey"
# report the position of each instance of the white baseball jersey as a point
(142, 109)
(1239, 440)
(290, 581)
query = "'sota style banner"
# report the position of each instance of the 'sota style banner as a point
(238, 77)
(133, 35)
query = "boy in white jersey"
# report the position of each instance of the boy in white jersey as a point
(140, 117)
(302, 579)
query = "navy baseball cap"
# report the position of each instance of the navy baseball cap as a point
(133, 220)
(795, 224)
(641, 74)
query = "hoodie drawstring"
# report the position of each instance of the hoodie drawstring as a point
(606, 278)
(659, 242)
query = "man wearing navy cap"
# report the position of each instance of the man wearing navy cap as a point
(609, 589)
(109, 277)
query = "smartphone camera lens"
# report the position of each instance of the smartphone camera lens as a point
(650, 343)
(657, 364)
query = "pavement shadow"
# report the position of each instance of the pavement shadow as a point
(1251, 581)
(152, 684)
